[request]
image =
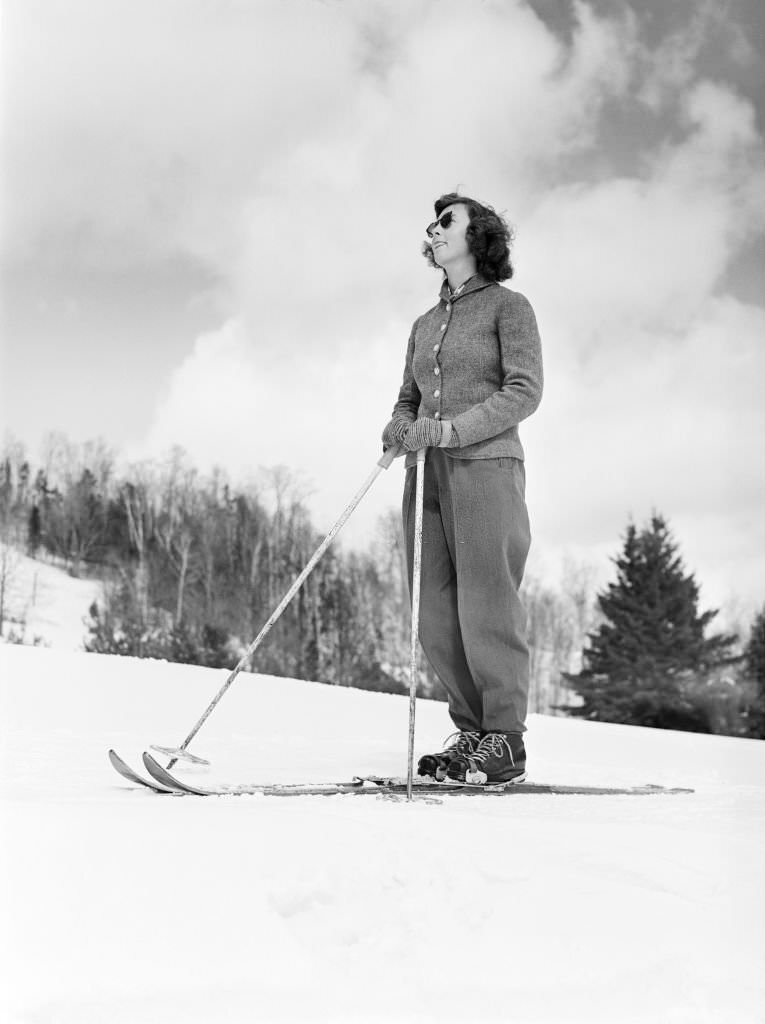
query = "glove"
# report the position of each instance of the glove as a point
(424, 433)
(395, 431)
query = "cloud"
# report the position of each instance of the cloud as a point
(331, 237)
(160, 116)
(232, 405)
(674, 422)
(653, 372)
(328, 277)
(166, 119)
(296, 149)
(646, 251)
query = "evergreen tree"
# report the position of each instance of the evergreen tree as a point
(34, 531)
(754, 662)
(642, 661)
(754, 655)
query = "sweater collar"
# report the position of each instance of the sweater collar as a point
(473, 284)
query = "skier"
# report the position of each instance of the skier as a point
(473, 371)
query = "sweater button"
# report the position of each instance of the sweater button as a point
(436, 347)
(436, 415)
(448, 307)
(436, 393)
(436, 371)
(443, 327)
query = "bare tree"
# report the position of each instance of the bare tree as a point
(9, 563)
(14, 479)
(393, 613)
(558, 623)
(73, 490)
(283, 490)
(137, 500)
(10, 559)
(177, 520)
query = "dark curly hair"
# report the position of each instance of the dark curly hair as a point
(488, 236)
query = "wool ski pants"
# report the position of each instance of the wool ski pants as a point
(475, 541)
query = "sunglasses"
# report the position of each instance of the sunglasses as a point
(444, 220)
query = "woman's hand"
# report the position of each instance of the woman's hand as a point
(395, 431)
(423, 433)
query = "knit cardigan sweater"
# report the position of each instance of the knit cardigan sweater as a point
(475, 360)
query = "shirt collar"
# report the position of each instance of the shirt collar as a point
(473, 284)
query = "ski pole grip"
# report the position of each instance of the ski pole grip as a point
(389, 456)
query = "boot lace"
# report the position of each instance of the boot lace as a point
(462, 742)
(493, 744)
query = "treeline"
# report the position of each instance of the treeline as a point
(193, 566)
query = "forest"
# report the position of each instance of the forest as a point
(191, 567)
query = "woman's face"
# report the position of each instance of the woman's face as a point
(448, 242)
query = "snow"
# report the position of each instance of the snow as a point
(120, 905)
(52, 604)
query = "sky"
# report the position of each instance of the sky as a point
(212, 213)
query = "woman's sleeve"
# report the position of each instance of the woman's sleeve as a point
(408, 402)
(520, 352)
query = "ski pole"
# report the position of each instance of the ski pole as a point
(383, 463)
(416, 573)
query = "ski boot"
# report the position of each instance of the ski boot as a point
(459, 743)
(499, 757)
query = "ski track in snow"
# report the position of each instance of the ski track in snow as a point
(122, 906)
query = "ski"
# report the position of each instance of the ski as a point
(127, 772)
(518, 786)
(164, 778)
(381, 785)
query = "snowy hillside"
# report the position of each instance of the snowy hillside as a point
(125, 907)
(46, 602)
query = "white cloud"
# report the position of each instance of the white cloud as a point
(653, 375)
(297, 148)
(161, 115)
(646, 252)
(232, 404)
(165, 119)
(675, 424)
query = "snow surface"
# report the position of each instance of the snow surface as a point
(121, 906)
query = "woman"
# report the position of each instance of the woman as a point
(473, 371)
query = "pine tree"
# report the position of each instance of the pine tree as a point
(754, 655)
(754, 661)
(652, 642)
